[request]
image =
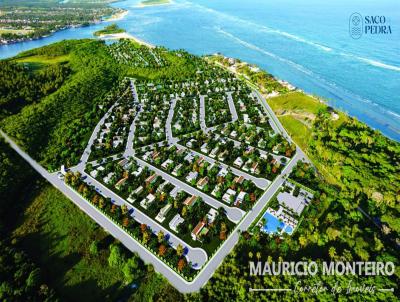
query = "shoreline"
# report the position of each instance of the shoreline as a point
(117, 16)
(125, 35)
(141, 5)
(47, 35)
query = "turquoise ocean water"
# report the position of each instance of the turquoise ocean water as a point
(304, 42)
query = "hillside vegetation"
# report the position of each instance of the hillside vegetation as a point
(51, 108)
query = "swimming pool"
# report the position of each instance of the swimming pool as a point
(273, 224)
(289, 229)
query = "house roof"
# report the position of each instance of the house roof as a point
(198, 228)
(294, 203)
(202, 181)
(239, 179)
(190, 200)
(151, 178)
(121, 181)
(176, 221)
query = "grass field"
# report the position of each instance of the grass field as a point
(15, 31)
(296, 111)
(297, 130)
(43, 59)
(296, 101)
(57, 235)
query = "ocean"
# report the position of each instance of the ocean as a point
(306, 43)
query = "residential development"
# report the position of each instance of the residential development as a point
(180, 168)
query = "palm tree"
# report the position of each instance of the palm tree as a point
(160, 236)
(124, 209)
(332, 252)
(179, 250)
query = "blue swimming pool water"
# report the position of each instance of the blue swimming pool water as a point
(272, 223)
(289, 229)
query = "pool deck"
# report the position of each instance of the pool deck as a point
(283, 221)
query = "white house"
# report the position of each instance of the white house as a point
(296, 204)
(145, 203)
(228, 194)
(238, 162)
(175, 222)
(211, 215)
(166, 164)
(163, 212)
(240, 197)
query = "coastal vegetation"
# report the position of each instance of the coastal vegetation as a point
(109, 30)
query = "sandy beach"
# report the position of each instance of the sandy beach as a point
(125, 36)
(141, 5)
(117, 16)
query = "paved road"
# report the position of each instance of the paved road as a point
(203, 125)
(196, 255)
(129, 144)
(93, 137)
(275, 123)
(182, 285)
(232, 107)
(262, 183)
(168, 124)
(234, 214)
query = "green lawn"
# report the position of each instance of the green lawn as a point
(154, 2)
(15, 31)
(296, 101)
(297, 130)
(43, 59)
(57, 235)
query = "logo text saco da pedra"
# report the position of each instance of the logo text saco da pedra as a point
(376, 25)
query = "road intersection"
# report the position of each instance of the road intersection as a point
(207, 265)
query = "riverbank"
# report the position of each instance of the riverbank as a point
(19, 23)
(22, 39)
(125, 35)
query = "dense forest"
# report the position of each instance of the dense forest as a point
(19, 87)
(50, 104)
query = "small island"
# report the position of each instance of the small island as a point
(109, 30)
(154, 2)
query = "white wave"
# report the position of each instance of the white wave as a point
(371, 61)
(343, 94)
(267, 29)
(296, 38)
(379, 64)
(263, 51)
(259, 26)
(394, 114)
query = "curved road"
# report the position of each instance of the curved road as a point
(243, 221)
